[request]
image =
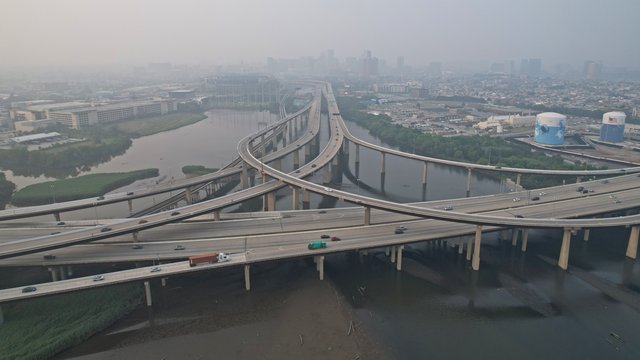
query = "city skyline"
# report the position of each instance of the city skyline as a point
(72, 32)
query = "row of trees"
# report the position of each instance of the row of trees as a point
(475, 149)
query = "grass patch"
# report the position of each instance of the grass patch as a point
(155, 124)
(77, 188)
(197, 170)
(41, 328)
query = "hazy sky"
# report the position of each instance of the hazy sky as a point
(75, 32)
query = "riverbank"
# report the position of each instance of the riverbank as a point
(80, 187)
(288, 313)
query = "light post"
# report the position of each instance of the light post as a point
(53, 192)
(358, 184)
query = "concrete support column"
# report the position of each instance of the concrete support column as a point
(69, 271)
(56, 215)
(307, 152)
(274, 141)
(469, 247)
(187, 195)
(514, 236)
(271, 201)
(244, 178)
(382, 163)
(468, 181)
(54, 274)
(296, 159)
(216, 215)
(367, 215)
(387, 252)
(326, 175)
(357, 153)
(563, 261)
(135, 236)
(518, 178)
(525, 238)
(399, 258)
(393, 254)
(305, 199)
(424, 173)
(130, 204)
(294, 198)
(247, 278)
(475, 263)
(586, 234)
(147, 292)
(345, 147)
(578, 179)
(62, 272)
(632, 245)
(277, 164)
(461, 248)
(163, 281)
(319, 260)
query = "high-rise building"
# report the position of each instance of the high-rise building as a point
(592, 69)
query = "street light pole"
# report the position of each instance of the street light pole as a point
(53, 191)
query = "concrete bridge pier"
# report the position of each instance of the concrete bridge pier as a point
(578, 179)
(305, 199)
(393, 254)
(247, 278)
(216, 215)
(147, 293)
(319, 260)
(514, 236)
(307, 152)
(277, 164)
(387, 251)
(585, 236)
(424, 174)
(271, 201)
(345, 147)
(54, 274)
(274, 141)
(525, 239)
(399, 257)
(461, 247)
(244, 178)
(632, 245)
(475, 262)
(130, 204)
(326, 175)
(468, 182)
(469, 247)
(56, 216)
(62, 273)
(284, 137)
(382, 163)
(296, 159)
(188, 195)
(135, 236)
(563, 260)
(518, 178)
(367, 215)
(294, 198)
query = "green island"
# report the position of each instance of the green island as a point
(100, 144)
(40, 328)
(6, 189)
(475, 149)
(197, 170)
(80, 187)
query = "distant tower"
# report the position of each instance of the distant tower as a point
(592, 69)
(550, 128)
(612, 129)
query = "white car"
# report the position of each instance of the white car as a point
(328, 189)
(515, 199)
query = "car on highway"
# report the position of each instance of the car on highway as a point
(143, 221)
(519, 216)
(618, 201)
(314, 245)
(130, 193)
(175, 213)
(155, 269)
(313, 165)
(328, 189)
(605, 181)
(402, 227)
(335, 238)
(100, 198)
(447, 208)
(535, 198)
(398, 231)
(60, 223)
(324, 236)
(179, 247)
(136, 247)
(98, 278)
(55, 233)
(542, 193)
(105, 229)
(29, 289)
(49, 257)
(322, 212)
(585, 191)
(515, 199)
(580, 188)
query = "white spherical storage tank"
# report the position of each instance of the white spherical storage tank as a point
(550, 128)
(612, 129)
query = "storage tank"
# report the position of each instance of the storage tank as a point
(550, 128)
(612, 129)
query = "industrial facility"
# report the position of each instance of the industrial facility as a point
(612, 129)
(550, 128)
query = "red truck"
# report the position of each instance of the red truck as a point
(208, 258)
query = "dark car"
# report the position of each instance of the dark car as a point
(580, 188)
(519, 216)
(60, 223)
(179, 247)
(55, 232)
(535, 198)
(313, 165)
(105, 229)
(29, 289)
(130, 193)
(143, 221)
(136, 246)
(175, 213)
(585, 191)
(322, 212)
(324, 236)
(335, 238)
(398, 231)
(49, 257)
(100, 198)
(605, 181)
